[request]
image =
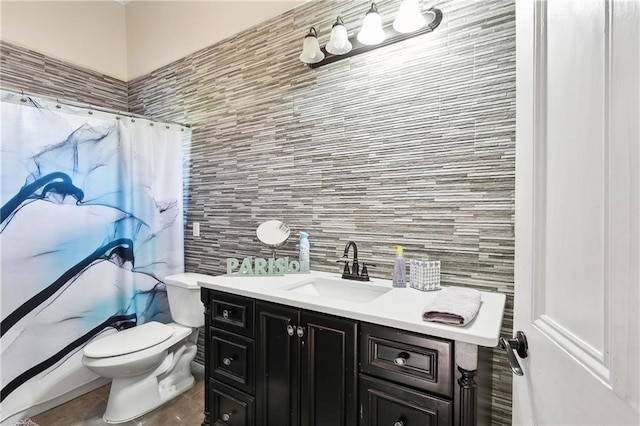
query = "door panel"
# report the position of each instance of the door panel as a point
(277, 367)
(577, 211)
(573, 166)
(329, 371)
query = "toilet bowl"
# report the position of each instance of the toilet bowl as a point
(150, 364)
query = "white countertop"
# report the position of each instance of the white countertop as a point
(399, 308)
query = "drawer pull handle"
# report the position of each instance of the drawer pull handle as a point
(226, 313)
(226, 417)
(290, 330)
(300, 331)
(399, 423)
(227, 361)
(401, 360)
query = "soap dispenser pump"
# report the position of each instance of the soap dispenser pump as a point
(399, 269)
(304, 247)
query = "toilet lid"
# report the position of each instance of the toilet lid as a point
(130, 340)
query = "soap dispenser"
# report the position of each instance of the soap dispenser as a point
(399, 269)
(304, 251)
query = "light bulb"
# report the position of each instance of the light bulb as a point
(339, 41)
(371, 31)
(311, 52)
(409, 17)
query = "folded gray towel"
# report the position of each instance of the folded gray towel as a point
(453, 305)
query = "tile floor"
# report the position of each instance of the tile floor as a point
(87, 410)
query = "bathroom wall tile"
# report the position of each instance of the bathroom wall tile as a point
(33, 72)
(409, 144)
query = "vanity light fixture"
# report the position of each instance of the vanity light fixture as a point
(410, 22)
(409, 18)
(311, 53)
(371, 32)
(339, 43)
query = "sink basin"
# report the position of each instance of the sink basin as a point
(352, 291)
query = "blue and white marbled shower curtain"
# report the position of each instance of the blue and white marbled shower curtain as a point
(91, 222)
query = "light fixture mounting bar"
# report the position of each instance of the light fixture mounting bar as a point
(392, 36)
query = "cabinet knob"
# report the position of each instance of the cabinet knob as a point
(227, 361)
(226, 417)
(402, 359)
(399, 423)
(290, 330)
(225, 313)
(300, 331)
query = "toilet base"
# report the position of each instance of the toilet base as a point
(131, 397)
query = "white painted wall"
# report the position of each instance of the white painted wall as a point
(126, 42)
(91, 34)
(160, 32)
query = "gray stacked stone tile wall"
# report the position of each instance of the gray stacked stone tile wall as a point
(409, 144)
(33, 72)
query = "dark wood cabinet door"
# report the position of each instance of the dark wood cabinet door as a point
(387, 404)
(329, 371)
(277, 366)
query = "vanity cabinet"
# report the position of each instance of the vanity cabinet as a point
(267, 364)
(307, 368)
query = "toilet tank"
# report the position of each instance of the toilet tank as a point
(184, 298)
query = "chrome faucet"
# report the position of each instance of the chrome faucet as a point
(353, 273)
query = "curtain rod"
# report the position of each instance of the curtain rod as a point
(92, 107)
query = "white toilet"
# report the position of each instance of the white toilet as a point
(151, 363)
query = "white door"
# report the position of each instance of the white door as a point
(578, 212)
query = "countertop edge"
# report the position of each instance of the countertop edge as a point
(491, 317)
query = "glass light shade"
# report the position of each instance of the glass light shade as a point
(311, 52)
(371, 31)
(339, 41)
(409, 17)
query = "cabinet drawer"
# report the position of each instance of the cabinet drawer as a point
(231, 359)
(229, 407)
(407, 358)
(386, 404)
(232, 313)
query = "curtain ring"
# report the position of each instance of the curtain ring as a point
(22, 98)
(90, 111)
(58, 104)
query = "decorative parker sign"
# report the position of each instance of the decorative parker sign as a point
(259, 266)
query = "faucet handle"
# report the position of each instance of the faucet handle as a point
(346, 270)
(365, 272)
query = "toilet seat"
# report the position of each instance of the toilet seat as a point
(128, 341)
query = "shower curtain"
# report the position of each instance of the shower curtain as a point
(91, 222)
